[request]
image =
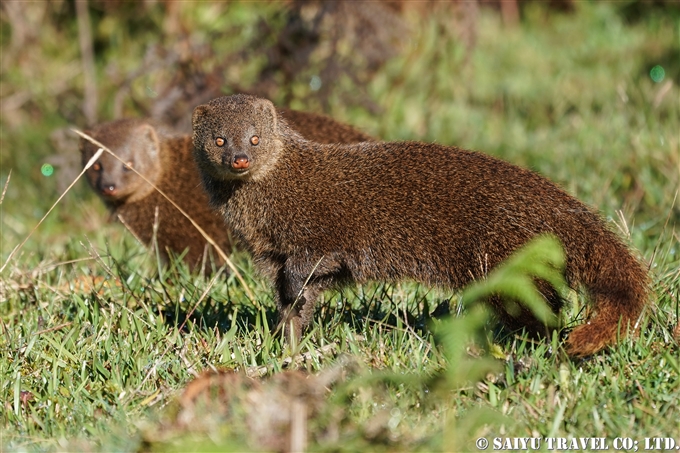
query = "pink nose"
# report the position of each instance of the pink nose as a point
(240, 163)
(109, 189)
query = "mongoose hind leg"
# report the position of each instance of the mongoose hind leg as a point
(516, 317)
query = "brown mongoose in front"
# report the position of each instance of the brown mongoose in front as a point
(315, 216)
(165, 158)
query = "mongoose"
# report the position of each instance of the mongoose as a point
(315, 216)
(165, 158)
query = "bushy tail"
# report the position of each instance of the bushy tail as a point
(618, 285)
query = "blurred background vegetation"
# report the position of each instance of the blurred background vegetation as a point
(584, 92)
(563, 87)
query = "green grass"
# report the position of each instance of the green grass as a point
(83, 365)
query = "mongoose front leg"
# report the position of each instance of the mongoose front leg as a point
(299, 285)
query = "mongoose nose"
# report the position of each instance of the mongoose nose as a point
(109, 189)
(240, 162)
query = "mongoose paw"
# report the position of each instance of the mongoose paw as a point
(291, 328)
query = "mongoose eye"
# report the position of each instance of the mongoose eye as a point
(254, 140)
(96, 166)
(127, 166)
(219, 141)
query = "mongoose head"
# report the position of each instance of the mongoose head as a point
(136, 143)
(236, 137)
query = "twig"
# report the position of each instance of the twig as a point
(298, 426)
(4, 190)
(51, 329)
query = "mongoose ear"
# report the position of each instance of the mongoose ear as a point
(199, 113)
(267, 107)
(82, 142)
(147, 135)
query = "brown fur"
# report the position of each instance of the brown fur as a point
(333, 214)
(165, 158)
(322, 129)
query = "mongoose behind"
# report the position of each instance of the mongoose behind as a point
(327, 215)
(165, 158)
